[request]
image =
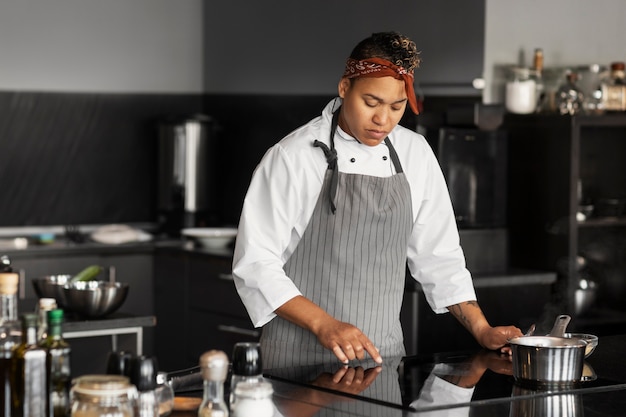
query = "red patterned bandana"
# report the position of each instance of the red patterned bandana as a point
(378, 67)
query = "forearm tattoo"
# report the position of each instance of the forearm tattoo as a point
(457, 311)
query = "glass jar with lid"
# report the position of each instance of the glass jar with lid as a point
(569, 96)
(102, 395)
(521, 91)
(253, 399)
(614, 88)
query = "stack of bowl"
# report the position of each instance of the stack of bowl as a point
(90, 299)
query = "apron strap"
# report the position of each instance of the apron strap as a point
(394, 156)
(331, 159)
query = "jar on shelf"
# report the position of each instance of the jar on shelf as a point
(589, 79)
(613, 88)
(521, 91)
(570, 97)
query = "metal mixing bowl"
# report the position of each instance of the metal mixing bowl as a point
(51, 286)
(94, 299)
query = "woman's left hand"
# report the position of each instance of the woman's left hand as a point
(495, 338)
(470, 315)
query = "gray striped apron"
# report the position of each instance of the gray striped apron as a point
(351, 261)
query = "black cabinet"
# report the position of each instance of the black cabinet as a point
(567, 192)
(197, 307)
(449, 35)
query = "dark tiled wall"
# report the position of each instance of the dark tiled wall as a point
(81, 158)
(69, 158)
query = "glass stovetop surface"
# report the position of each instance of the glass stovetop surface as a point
(432, 382)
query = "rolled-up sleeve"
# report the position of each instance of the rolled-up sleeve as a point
(279, 202)
(435, 257)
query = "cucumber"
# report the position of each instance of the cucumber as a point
(88, 273)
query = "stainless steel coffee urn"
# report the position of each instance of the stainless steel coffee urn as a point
(186, 184)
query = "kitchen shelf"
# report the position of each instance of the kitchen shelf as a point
(557, 163)
(603, 222)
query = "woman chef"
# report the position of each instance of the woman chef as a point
(334, 212)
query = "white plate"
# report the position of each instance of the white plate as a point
(212, 237)
(115, 234)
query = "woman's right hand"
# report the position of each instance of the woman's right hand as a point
(346, 341)
(348, 379)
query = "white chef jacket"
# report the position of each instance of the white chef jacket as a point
(436, 392)
(285, 188)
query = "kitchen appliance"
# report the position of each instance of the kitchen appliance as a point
(186, 181)
(474, 163)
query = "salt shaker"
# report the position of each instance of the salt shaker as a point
(165, 394)
(214, 368)
(253, 399)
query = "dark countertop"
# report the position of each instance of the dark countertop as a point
(61, 246)
(413, 386)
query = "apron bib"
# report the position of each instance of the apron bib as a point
(351, 261)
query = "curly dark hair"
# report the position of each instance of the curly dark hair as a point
(391, 46)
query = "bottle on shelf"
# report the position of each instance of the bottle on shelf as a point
(28, 373)
(569, 96)
(9, 330)
(613, 88)
(214, 368)
(540, 86)
(44, 305)
(9, 281)
(57, 365)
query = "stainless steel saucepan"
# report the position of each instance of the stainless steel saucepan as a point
(548, 360)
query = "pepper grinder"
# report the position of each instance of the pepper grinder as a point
(143, 372)
(214, 368)
(247, 366)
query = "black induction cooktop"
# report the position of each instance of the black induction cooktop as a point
(451, 379)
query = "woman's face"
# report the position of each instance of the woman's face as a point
(371, 108)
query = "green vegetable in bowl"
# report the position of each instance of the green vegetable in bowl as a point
(88, 273)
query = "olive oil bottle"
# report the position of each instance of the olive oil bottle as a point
(57, 366)
(9, 331)
(28, 373)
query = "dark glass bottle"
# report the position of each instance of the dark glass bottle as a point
(57, 366)
(9, 331)
(28, 373)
